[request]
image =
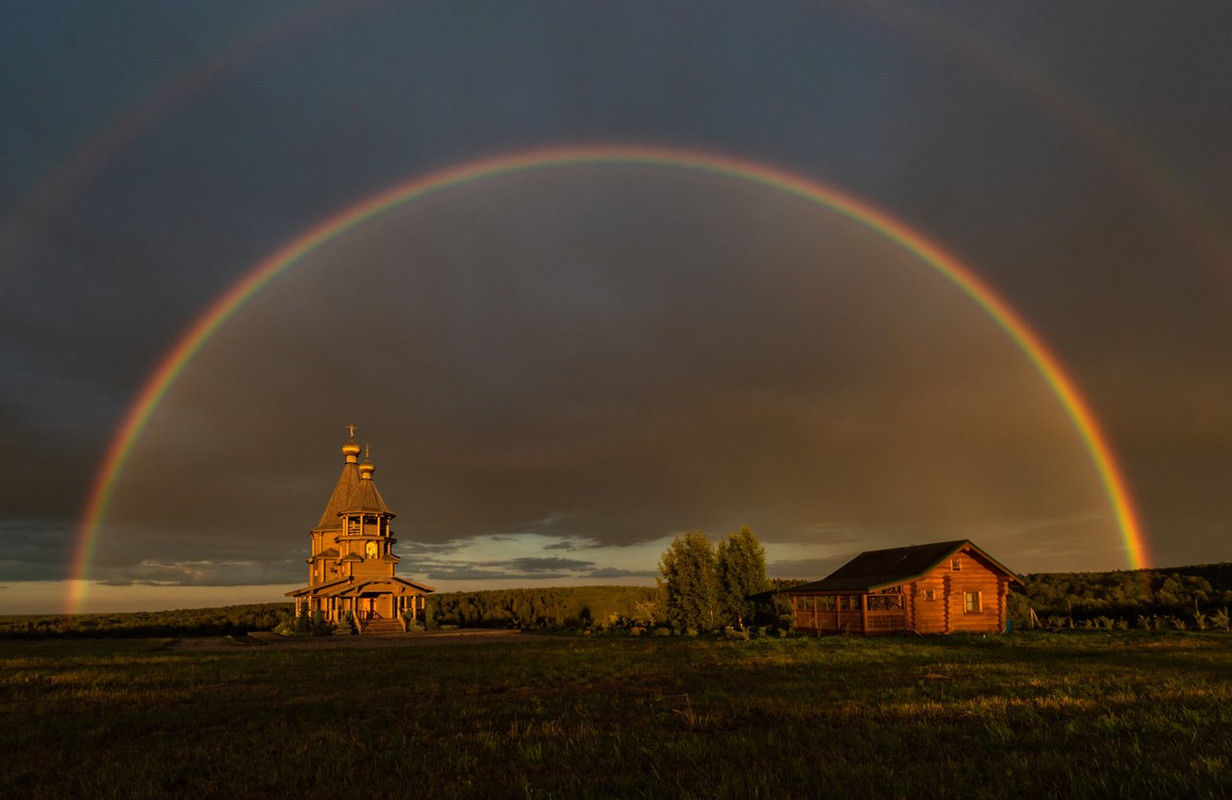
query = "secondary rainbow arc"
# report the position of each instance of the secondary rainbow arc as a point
(859, 211)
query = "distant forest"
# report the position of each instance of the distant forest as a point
(1177, 597)
(181, 622)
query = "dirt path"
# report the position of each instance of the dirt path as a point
(264, 639)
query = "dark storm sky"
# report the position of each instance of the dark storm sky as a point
(559, 369)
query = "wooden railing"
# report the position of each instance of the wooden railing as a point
(830, 620)
(887, 620)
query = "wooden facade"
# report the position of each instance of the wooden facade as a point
(351, 569)
(944, 587)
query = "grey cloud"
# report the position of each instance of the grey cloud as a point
(532, 564)
(202, 573)
(809, 568)
(35, 550)
(613, 572)
(473, 573)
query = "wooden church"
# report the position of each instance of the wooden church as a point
(352, 565)
(942, 587)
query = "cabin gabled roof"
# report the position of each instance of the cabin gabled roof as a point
(880, 569)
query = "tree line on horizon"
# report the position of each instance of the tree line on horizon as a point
(695, 593)
(1139, 598)
(218, 621)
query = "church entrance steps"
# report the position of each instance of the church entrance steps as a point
(375, 626)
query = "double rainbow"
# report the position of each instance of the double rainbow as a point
(845, 204)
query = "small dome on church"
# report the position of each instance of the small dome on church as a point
(351, 451)
(366, 469)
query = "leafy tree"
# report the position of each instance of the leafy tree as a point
(741, 567)
(689, 582)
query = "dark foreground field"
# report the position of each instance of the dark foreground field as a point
(1077, 715)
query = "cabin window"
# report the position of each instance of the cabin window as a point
(971, 603)
(825, 603)
(956, 564)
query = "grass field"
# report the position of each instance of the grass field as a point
(1045, 715)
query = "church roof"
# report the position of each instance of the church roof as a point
(318, 588)
(349, 586)
(365, 497)
(331, 552)
(347, 483)
(354, 491)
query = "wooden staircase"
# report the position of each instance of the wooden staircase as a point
(380, 625)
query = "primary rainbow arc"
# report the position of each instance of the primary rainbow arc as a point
(947, 265)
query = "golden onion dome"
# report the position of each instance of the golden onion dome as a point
(351, 451)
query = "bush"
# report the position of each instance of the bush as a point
(305, 625)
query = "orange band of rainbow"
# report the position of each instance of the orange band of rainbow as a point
(851, 207)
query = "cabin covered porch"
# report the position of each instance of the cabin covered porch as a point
(867, 613)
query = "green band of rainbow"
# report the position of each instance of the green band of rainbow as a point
(947, 265)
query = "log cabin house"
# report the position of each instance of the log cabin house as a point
(943, 587)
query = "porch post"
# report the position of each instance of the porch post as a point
(864, 613)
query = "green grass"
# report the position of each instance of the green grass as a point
(1092, 715)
